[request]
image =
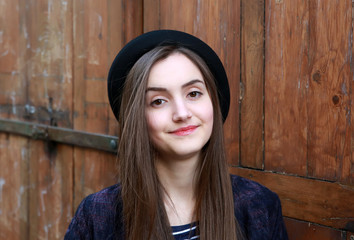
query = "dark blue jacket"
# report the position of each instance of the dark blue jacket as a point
(257, 210)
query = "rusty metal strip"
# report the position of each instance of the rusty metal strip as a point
(61, 135)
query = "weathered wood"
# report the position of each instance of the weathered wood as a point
(298, 230)
(54, 60)
(9, 37)
(14, 187)
(329, 204)
(252, 83)
(330, 76)
(49, 82)
(218, 24)
(115, 22)
(286, 83)
(151, 22)
(50, 195)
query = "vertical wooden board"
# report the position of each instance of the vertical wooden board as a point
(97, 117)
(49, 74)
(286, 83)
(94, 170)
(48, 66)
(218, 24)
(230, 53)
(12, 83)
(51, 181)
(151, 13)
(298, 230)
(9, 36)
(122, 21)
(12, 96)
(95, 35)
(349, 166)
(329, 92)
(14, 187)
(133, 19)
(252, 83)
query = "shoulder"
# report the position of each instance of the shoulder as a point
(246, 191)
(103, 199)
(95, 216)
(257, 209)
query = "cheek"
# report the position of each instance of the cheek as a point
(208, 113)
(154, 125)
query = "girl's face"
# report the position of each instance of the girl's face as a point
(178, 109)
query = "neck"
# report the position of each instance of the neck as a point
(178, 180)
(177, 174)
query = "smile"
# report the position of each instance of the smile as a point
(184, 131)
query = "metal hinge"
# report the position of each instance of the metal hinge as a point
(61, 135)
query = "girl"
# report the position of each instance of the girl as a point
(169, 91)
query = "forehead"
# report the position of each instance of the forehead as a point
(175, 69)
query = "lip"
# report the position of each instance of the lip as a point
(184, 131)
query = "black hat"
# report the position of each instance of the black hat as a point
(137, 47)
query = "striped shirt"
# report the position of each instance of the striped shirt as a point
(185, 232)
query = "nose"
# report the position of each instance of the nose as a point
(181, 111)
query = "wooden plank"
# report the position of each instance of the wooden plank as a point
(151, 22)
(121, 21)
(330, 77)
(12, 54)
(132, 19)
(94, 170)
(252, 83)
(14, 187)
(12, 93)
(14, 174)
(286, 76)
(50, 198)
(9, 37)
(298, 230)
(325, 203)
(95, 34)
(49, 82)
(218, 24)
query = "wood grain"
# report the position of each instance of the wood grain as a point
(49, 84)
(14, 191)
(325, 203)
(286, 83)
(9, 37)
(50, 202)
(102, 29)
(54, 60)
(330, 76)
(252, 83)
(299, 230)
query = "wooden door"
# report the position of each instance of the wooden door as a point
(289, 64)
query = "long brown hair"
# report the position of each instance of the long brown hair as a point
(144, 215)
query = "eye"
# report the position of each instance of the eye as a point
(158, 102)
(195, 94)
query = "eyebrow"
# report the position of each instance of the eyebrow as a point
(160, 89)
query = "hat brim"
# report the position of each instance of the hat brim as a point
(137, 47)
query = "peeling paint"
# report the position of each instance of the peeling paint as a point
(2, 183)
(344, 89)
(43, 192)
(13, 100)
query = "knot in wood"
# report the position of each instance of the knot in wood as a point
(317, 77)
(335, 99)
